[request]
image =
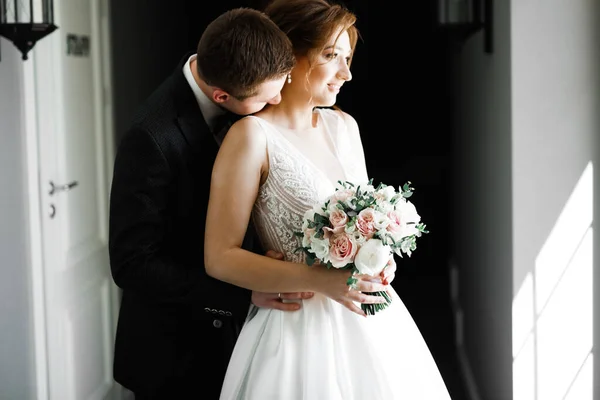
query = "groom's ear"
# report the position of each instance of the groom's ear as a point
(220, 96)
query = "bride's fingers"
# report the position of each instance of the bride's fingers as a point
(388, 279)
(377, 279)
(391, 265)
(370, 286)
(295, 296)
(365, 277)
(279, 305)
(353, 307)
(365, 298)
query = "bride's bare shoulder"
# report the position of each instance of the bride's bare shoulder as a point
(247, 123)
(246, 127)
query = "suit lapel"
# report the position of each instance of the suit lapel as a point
(199, 136)
(196, 133)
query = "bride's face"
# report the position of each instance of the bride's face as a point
(331, 70)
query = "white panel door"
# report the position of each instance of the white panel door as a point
(73, 125)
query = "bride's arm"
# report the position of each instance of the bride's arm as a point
(239, 168)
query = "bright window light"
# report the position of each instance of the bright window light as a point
(553, 309)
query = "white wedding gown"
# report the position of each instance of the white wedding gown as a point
(323, 351)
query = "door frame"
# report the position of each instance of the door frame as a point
(34, 186)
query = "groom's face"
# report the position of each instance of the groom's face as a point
(269, 92)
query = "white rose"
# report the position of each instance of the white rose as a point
(321, 248)
(408, 207)
(404, 220)
(404, 231)
(309, 215)
(385, 207)
(358, 237)
(380, 220)
(372, 257)
(408, 212)
(367, 188)
(388, 192)
(309, 234)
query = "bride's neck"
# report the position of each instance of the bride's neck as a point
(291, 117)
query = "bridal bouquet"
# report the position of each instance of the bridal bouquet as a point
(361, 228)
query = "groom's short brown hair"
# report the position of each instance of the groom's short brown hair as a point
(241, 49)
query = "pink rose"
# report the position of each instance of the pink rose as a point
(328, 232)
(379, 197)
(342, 249)
(365, 222)
(403, 220)
(400, 225)
(338, 219)
(342, 195)
(395, 224)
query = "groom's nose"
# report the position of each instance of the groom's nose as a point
(276, 99)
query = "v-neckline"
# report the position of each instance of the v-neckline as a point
(308, 160)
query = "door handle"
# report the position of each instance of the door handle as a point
(61, 188)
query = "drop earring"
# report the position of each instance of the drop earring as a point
(289, 78)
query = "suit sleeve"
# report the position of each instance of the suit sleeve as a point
(137, 228)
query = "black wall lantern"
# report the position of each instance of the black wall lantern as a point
(24, 24)
(461, 19)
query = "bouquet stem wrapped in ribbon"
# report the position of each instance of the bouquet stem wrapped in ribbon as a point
(360, 228)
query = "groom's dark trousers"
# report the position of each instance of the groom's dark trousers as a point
(177, 326)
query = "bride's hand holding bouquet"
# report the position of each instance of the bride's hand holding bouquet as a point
(360, 228)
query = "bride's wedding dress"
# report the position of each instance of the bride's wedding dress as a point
(323, 351)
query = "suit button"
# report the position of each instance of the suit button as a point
(217, 323)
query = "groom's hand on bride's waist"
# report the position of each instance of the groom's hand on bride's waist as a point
(277, 300)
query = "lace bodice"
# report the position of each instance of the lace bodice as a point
(294, 184)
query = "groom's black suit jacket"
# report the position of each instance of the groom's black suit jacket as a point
(177, 326)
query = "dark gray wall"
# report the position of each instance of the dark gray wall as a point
(483, 198)
(147, 43)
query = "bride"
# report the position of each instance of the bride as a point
(271, 168)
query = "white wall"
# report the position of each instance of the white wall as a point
(554, 105)
(142, 69)
(17, 372)
(555, 101)
(527, 128)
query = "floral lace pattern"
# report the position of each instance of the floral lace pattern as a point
(292, 187)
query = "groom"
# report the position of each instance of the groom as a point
(174, 318)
